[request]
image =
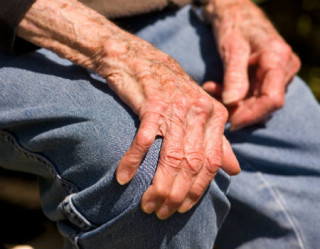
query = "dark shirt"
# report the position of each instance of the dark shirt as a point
(11, 13)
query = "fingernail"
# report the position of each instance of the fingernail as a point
(164, 212)
(230, 97)
(233, 128)
(149, 207)
(123, 177)
(186, 206)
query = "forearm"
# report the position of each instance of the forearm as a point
(68, 28)
(217, 12)
(214, 8)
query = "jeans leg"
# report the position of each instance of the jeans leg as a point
(275, 200)
(68, 128)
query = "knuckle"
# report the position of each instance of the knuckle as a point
(174, 199)
(277, 101)
(161, 191)
(278, 45)
(213, 164)
(144, 139)
(282, 49)
(197, 190)
(211, 170)
(221, 112)
(194, 162)
(171, 160)
(202, 106)
(286, 50)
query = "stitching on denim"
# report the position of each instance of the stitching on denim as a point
(282, 206)
(280, 202)
(76, 242)
(67, 205)
(75, 216)
(30, 155)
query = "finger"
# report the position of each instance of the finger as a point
(201, 183)
(296, 64)
(213, 153)
(235, 57)
(168, 167)
(199, 187)
(230, 163)
(257, 108)
(191, 163)
(181, 186)
(293, 67)
(142, 142)
(213, 88)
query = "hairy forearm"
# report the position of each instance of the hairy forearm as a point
(68, 28)
(239, 11)
(214, 8)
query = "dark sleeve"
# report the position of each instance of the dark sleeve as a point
(11, 13)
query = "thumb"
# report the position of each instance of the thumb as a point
(235, 58)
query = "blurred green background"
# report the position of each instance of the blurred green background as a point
(298, 21)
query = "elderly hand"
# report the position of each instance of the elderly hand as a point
(165, 98)
(170, 105)
(258, 63)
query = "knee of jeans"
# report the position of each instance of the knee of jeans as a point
(124, 225)
(106, 200)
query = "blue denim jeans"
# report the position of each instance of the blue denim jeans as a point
(62, 123)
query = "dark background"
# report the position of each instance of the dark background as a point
(298, 21)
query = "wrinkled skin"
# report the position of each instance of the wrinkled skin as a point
(258, 63)
(170, 105)
(167, 101)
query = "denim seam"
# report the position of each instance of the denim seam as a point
(39, 158)
(78, 237)
(8, 137)
(280, 203)
(278, 199)
(76, 242)
(75, 216)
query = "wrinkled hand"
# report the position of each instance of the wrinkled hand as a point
(258, 63)
(167, 101)
(171, 105)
